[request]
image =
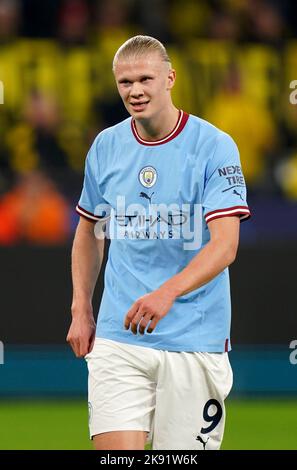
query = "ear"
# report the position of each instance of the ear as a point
(171, 79)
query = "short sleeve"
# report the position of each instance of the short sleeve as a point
(224, 192)
(91, 204)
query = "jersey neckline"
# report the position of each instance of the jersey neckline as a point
(181, 122)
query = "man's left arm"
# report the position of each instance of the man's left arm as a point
(217, 254)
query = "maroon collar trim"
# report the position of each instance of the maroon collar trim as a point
(181, 122)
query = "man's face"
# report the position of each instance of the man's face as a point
(144, 84)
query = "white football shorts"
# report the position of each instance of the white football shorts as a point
(176, 397)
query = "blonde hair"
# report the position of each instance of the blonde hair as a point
(141, 45)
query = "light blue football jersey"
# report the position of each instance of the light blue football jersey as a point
(158, 198)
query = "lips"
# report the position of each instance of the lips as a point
(139, 106)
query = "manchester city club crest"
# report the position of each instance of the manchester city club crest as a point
(148, 176)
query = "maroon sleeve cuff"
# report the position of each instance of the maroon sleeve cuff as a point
(242, 212)
(88, 215)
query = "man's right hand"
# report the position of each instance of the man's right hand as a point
(81, 334)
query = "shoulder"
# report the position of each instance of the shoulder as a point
(108, 142)
(208, 139)
(113, 133)
(208, 131)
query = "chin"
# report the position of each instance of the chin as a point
(140, 115)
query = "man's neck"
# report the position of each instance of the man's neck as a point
(159, 126)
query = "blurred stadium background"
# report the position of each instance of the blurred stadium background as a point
(235, 60)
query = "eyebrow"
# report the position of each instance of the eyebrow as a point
(146, 75)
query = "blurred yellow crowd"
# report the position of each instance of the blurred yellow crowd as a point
(56, 99)
(242, 89)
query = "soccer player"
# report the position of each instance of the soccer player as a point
(168, 188)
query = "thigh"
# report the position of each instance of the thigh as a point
(190, 394)
(120, 440)
(121, 393)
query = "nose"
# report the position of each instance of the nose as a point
(136, 90)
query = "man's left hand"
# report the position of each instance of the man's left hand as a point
(149, 309)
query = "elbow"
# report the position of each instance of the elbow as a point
(230, 254)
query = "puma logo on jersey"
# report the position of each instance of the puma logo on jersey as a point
(146, 196)
(238, 194)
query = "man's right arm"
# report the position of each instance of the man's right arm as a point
(87, 257)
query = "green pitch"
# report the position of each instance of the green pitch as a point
(251, 424)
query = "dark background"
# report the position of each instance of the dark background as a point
(35, 308)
